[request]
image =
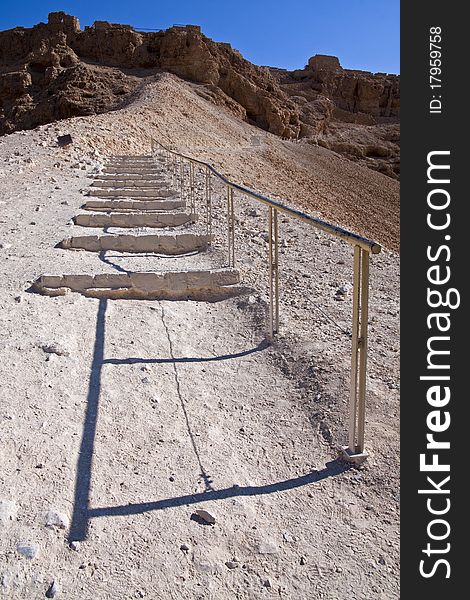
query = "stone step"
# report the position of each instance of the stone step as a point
(125, 164)
(133, 205)
(180, 243)
(129, 158)
(153, 193)
(132, 166)
(144, 173)
(209, 285)
(134, 177)
(130, 178)
(134, 219)
(126, 184)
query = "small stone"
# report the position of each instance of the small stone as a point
(184, 547)
(28, 549)
(75, 546)
(381, 560)
(204, 515)
(8, 511)
(254, 212)
(231, 564)
(287, 537)
(267, 583)
(52, 591)
(65, 202)
(18, 299)
(302, 560)
(268, 548)
(5, 245)
(251, 299)
(56, 519)
(55, 348)
(344, 290)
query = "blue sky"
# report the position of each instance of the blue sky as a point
(364, 34)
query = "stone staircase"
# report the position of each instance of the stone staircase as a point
(134, 193)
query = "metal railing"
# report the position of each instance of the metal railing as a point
(363, 247)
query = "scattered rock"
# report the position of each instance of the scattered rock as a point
(268, 547)
(55, 348)
(8, 511)
(29, 550)
(56, 519)
(75, 546)
(267, 583)
(343, 291)
(288, 537)
(184, 547)
(52, 591)
(203, 516)
(232, 564)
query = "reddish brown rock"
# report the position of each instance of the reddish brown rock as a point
(46, 50)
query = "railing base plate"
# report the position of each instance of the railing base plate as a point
(355, 458)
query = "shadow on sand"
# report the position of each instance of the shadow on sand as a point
(83, 513)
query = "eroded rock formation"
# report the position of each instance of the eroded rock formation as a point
(56, 70)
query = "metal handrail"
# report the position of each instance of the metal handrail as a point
(363, 247)
(352, 238)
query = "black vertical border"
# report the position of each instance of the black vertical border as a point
(423, 132)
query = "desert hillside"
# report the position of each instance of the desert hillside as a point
(166, 448)
(56, 70)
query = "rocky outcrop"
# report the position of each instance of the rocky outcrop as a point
(353, 113)
(55, 58)
(359, 93)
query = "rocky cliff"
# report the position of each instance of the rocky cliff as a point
(56, 70)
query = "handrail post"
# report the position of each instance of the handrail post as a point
(208, 204)
(230, 227)
(361, 404)
(273, 234)
(181, 179)
(276, 270)
(191, 188)
(355, 451)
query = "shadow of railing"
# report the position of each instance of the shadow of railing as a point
(82, 512)
(333, 468)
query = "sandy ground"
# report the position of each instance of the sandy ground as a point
(152, 410)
